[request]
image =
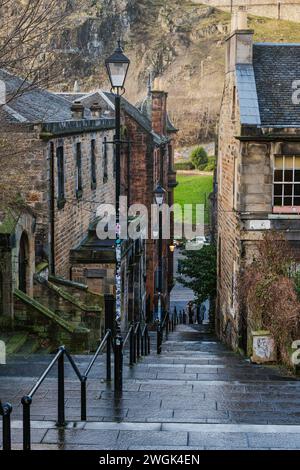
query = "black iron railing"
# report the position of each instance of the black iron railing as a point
(5, 412)
(59, 360)
(168, 324)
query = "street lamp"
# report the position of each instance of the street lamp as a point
(172, 247)
(159, 195)
(117, 66)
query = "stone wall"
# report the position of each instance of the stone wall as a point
(228, 231)
(278, 9)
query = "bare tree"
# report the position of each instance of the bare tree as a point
(27, 39)
(27, 33)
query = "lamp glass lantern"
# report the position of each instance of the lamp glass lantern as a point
(117, 67)
(159, 195)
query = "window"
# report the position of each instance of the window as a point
(286, 187)
(78, 171)
(105, 173)
(93, 165)
(60, 177)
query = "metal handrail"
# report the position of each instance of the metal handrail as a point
(59, 358)
(128, 334)
(99, 350)
(5, 412)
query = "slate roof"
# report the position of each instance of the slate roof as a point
(32, 104)
(276, 67)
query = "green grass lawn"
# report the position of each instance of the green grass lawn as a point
(193, 190)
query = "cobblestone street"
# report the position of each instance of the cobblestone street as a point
(196, 395)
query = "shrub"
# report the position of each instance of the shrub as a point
(184, 166)
(211, 164)
(199, 158)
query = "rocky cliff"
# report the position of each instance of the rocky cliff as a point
(175, 39)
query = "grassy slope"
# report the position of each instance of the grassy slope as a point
(192, 190)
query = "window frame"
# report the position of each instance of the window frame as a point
(79, 185)
(93, 165)
(283, 182)
(105, 160)
(60, 157)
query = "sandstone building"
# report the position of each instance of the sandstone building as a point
(62, 167)
(258, 163)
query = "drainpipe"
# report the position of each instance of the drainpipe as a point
(52, 210)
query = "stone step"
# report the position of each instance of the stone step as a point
(158, 435)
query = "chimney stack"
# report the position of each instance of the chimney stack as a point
(77, 109)
(2, 92)
(240, 42)
(96, 110)
(159, 108)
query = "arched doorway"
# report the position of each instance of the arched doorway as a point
(23, 263)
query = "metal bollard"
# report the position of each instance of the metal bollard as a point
(159, 338)
(108, 359)
(131, 346)
(26, 402)
(118, 350)
(61, 392)
(83, 398)
(5, 411)
(138, 345)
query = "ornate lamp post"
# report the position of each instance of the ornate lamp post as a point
(159, 195)
(117, 66)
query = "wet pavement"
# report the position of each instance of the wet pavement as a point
(196, 395)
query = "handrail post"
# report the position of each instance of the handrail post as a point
(6, 410)
(118, 350)
(108, 358)
(159, 338)
(138, 338)
(143, 338)
(147, 342)
(83, 398)
(61, 391)
(167, 327)
(131, 346)
(26, 402)
(134, 344)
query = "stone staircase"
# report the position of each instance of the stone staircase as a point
(196, 395)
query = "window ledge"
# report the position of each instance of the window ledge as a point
(285, 212)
